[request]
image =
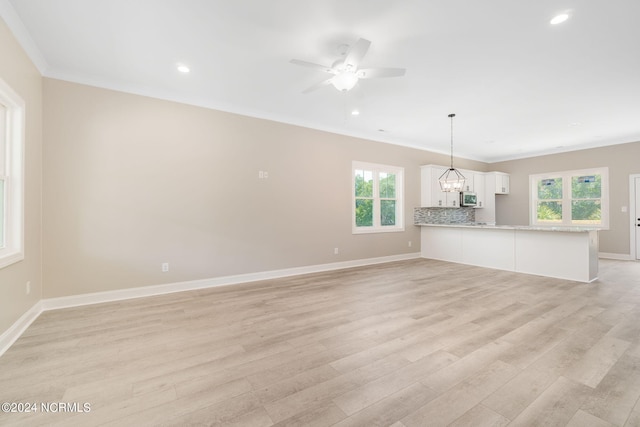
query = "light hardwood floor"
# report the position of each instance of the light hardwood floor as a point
(411, 343)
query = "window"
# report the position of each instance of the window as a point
(11, 175)
(570, 198)
(377, 198)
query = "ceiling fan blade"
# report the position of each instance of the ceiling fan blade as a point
(317, 86)
(314, 66)
(371, 73)
(356, 53)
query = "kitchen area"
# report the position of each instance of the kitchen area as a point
(460, 226)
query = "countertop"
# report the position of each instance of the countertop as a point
(575, 229)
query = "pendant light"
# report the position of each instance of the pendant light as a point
(451, 180)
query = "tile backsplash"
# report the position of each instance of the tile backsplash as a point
(443, 215)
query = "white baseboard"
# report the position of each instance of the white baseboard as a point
(622, 257)
(17, 329)
(146, 291)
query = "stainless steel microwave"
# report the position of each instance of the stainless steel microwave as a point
(468, 198)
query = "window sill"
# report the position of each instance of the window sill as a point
(372, 230)
(8, 258)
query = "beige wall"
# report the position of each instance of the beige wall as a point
(17, 70)
(131, 182)
(622, 160)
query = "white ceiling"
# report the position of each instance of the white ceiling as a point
(519, 86)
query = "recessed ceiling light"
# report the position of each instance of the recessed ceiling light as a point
(575, 124)
(183, 68)
(559, 19)
(355, 113)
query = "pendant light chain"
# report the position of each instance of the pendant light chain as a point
(452, 116)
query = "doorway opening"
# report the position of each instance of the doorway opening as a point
(634, 214)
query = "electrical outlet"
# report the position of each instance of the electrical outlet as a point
(165, 267)
(260, 174)
(28, 288)
(336, 251)
(409, 243)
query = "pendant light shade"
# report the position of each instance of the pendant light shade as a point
(451, 180)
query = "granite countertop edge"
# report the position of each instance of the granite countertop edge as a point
(575, 229)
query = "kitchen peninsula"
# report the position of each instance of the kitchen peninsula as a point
(561, 252)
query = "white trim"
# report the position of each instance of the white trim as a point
(17, 27)
(14, 176)
(632, 215)
(608, 255)
(17, 329)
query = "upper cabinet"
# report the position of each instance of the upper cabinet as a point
(500, 182)
(469, 180)
(479, 188)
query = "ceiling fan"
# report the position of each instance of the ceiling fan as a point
(345, 70)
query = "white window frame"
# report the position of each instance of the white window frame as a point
(567, 197)
(377, 169)
(12, 250)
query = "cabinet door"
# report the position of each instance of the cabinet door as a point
(438, 197)
(479, 188)
(502, 183)
(425, 187)
(469, 181)
(505, 183)
(453, 199)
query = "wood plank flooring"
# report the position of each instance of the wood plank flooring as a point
(411, 343)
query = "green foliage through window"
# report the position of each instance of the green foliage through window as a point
(387, 185)
(550, 188)
(550, 211)
(364, 212)
(364, 183)
(387, 212)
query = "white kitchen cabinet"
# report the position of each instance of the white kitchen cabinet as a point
(479, 189)
(426, 186)
(502, 182)
(469, 180)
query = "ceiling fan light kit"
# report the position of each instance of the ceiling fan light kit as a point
(345, 72)
(345, 80)
(451, 180)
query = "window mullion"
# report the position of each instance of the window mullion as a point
(566, 199)
(376, 198)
